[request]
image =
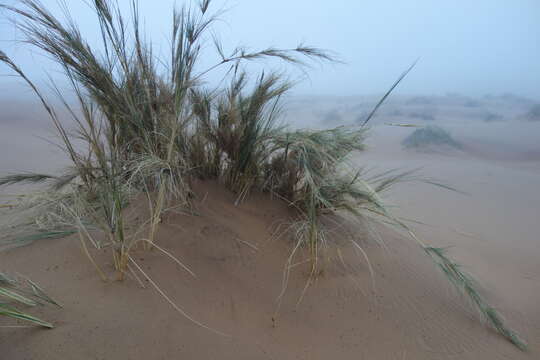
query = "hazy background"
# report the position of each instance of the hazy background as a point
(471, 47)
(477, 77)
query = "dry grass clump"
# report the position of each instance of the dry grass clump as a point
(149, 126)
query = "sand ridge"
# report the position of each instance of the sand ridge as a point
(412, 312)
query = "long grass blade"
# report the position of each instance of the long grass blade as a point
(16, 314)
(381, 101)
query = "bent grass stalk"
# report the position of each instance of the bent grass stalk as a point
(463, 282)
(157, 210)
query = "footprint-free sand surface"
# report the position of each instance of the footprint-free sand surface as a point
(407, 311)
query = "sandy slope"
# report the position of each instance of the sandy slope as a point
(411, 313)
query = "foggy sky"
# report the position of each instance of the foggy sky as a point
(472, 47)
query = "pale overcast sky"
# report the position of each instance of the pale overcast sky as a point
(473, 47)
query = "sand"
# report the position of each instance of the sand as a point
(411, 312)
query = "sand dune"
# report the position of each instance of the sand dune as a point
(410, 312)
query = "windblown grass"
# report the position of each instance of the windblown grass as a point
(36, 216)
(149, 126)
(467, 284)
(15, 293)
(134, 119)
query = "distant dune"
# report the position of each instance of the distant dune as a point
(491, 126)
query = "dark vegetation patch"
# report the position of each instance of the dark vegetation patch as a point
(491, 117)
(332, 117)
(430, 136)
(534, 113)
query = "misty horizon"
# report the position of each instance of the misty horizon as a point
(485, 48)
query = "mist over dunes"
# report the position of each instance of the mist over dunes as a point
(492, 126)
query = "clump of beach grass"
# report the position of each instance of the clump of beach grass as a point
(150, 126)
(133, 119)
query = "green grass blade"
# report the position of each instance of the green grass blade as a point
(381, 101)
(40, 293)
(24, 178)
(16, 297)
(11, 312)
